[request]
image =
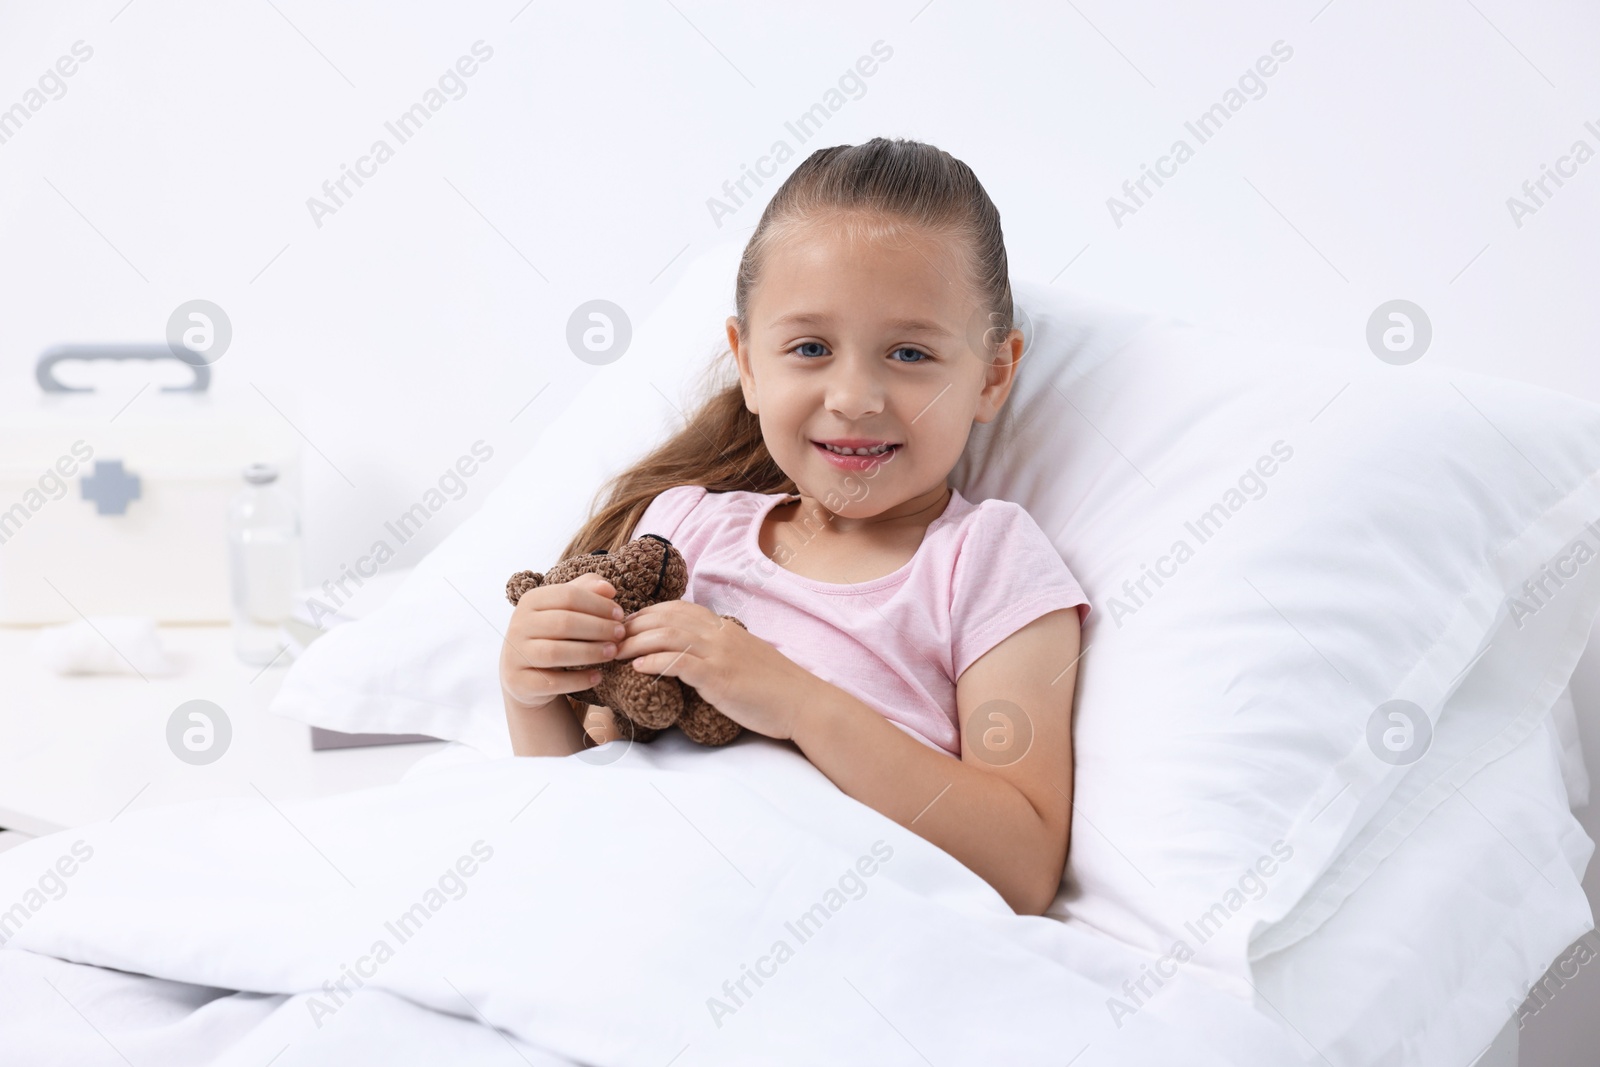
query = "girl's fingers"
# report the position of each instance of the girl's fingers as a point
(549, 683)
(554, 653)
(558, 624)
(593, 594)
(659, 663)
(587, 594)
(572, 681)
(662, 638)
(541, 652)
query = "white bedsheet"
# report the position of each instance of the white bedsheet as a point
(57, 1013)
(604, 914)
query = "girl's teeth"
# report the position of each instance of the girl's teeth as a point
(878, 451)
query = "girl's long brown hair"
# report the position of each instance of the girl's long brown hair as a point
(720, 445)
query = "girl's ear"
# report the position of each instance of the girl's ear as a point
(999, 376)
(741, 358)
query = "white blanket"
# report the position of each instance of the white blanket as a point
(680, 905)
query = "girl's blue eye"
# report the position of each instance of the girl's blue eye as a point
(813, 349)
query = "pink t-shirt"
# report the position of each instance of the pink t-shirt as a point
(897, 643)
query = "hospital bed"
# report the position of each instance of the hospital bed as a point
(423, 919)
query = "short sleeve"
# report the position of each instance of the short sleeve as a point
(664, 517)
(1007, 574)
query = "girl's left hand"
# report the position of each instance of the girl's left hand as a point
(741, 675)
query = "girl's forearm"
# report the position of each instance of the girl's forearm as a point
(975, 815)
(551, 730)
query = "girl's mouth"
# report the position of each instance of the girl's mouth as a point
(855, 462)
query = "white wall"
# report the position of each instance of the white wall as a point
(180, 159)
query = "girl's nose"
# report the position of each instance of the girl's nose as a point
(854, 390)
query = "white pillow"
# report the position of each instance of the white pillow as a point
(1573, 769)
(1277, 540)
(1431, 956)
(1424, 934)
(1224, 709)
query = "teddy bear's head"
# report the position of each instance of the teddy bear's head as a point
(644, 571)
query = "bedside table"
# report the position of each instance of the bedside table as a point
(77, 750)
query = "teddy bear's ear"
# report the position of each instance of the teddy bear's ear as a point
(520, 583)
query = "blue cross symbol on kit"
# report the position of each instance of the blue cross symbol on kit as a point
(110, 487)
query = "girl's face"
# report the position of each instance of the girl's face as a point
(871, 340)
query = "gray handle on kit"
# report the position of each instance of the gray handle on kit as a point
(44, 370)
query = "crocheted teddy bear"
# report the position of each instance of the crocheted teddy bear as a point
(645, 571)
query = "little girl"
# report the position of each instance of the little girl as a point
(919, 649)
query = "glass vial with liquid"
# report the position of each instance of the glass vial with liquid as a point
(264, 559)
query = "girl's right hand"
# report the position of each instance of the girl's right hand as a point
(556, 626)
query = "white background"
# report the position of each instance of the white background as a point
(431, 308)
(415, 320)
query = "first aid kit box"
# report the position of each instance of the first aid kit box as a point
(119, 506)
